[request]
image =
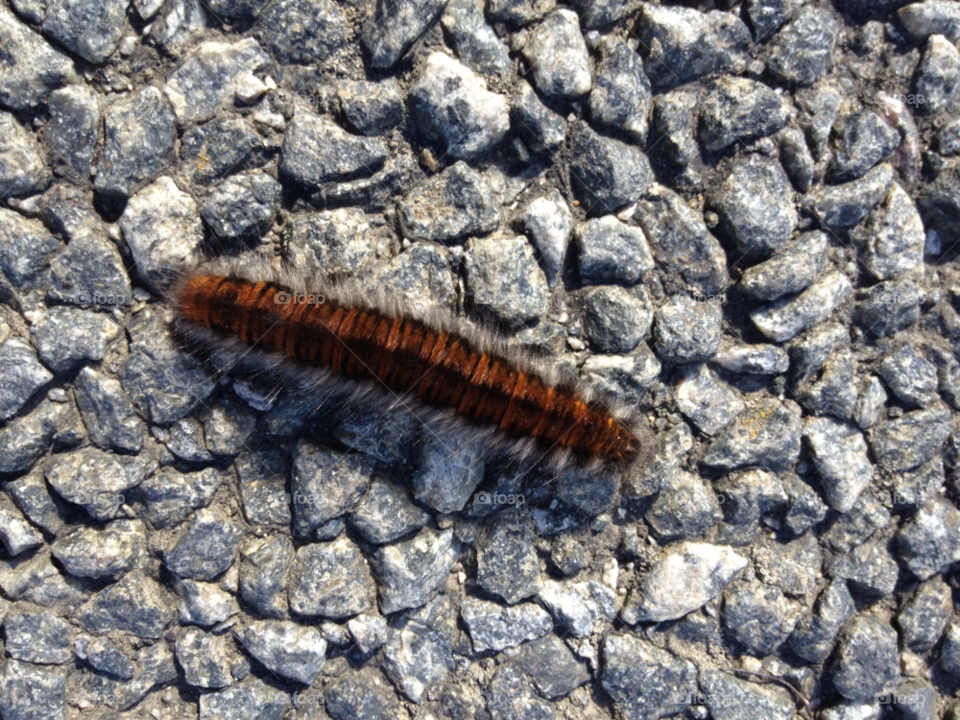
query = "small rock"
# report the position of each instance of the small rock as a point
(912, 439)
(371, 108)
(786, 318)
(614, 320)
(862, 141)
(606, 174)
(840, 455)
(507, 563)
(31, 67)
(91, 31)
(393, 27)
(869, 568)
(753, 359)
(924, 617)
(729, 698)
(369, 633)
(687, 330)
(205, 548)
(477, 45)
(136, 604)
(32, 691)
(108, 553)
(740, 110)
(581, 608)
(709, 402)
(96, 480)
(766, 434)
(547, 223)
(937, 76)
(621, 95)
(802, 50)
(758, 616)
(66, 337)
(205, 604)
(928, 542)
(541, 128)
(332, 580)
(325, 484)
(243, 206)
(411, 570)
(842, 206)
(264, 568)
(867, 663)
(205, 659)
(643, 680)
(452, 205)
(504, 280)
(611, 252)
(558, 55)
(912, 377)
(169, 496)
(816, 631)
(317, 151)
(285, 648)
(494, 627)
(684, 508)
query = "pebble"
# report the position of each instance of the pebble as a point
(644, 680)
(839, 453)
(317, 151)
(243, 206)
(504, 281)
(936, 75)
(411, 570)
(371, 108)
(390, 30)
(32, 68)
(866, 663)
(477, 45)
(547, 222)
(910, 440)
(842, 206)
(93, 34)
(541, 128)
(621, 95)
(288, 649)
(910, 376)
(683, 508)
(928, 541)
(22, 171)
(610, 251)
(737, 110)
(931, 17)
(757, 616)
(615, 320)
(862, 141)
(558, 55)
(765, 434)
(729, 697)
(136, 604)
(753, 359)
(707, 401)
(582, 609)
(331, 579)
(802, 50)
(786, 318)
(606, 174)
(108, 553)
(452, 205)
(304, 32)
(494, 627)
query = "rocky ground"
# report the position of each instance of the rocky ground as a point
(741, 217)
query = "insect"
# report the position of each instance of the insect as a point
(309, 329)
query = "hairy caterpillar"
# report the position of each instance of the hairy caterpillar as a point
(313, 331)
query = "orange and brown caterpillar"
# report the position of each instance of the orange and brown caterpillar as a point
(314, 331)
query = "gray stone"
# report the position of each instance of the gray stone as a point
(541, 128)
(755, 208)
(911, 377)
(162, 227)
(547, 223)
(450, 103)
(477, 45)
(552, 667)
(243, 206)
(507, 563)
(924, 617)
(805, 508)
(729, 698)
(17, 534)
(418, 652)
(317, 151)
(164, 382)
(22, 170)
(928, 542)
(303, 32)
(205, 604)
(842, 206)
(766, 434)
(932, 17)
(139, 132)
(910, 440)
(611, 252)
(792, 566)
(369, 633)
(867, 663)
(136, 604)
(680, 240)
(332, 580)
(90, 29)
(504, 281)
(264, 567)
(891, 307)
(33, 497)
(252, 697)
(394, 26)
(108, 553)
(614, 320)
(818, 628)
(802, 50)
(558, 55)
(709, 402)
(865, 517)
(325, 484)
(411, 570)
(869, 568)
(788, 317)
(948, 374)
(791, 270)
(950, 649)
(25, 247)
(28, 438)
(758, 616)
(205, 659)
(221, 147)
(738, 110)
(675, 123)
(518, 12)
(35, 578)
(625, 377)
(643, 680)
(105, 656)
(285, 648)
(684, 579)
(206, 547)
(239, 9)
(938, 75)
(687, 330)
(839, 453)
(169, 496)
(683, 508)
(494, 627)
(837, 391)
(371, 108)
(746, 496)
(606, 174)
(31, 68)
(97, 480)
(862, 141)
(89, 272)
(73, 131)
(621, 95)
(385, 513)
(509, 691)
(335, 240)
(914, 488)
(686, 44)
(871, 403)
(185, 440)
(582, 609)
(452, 205)
(32, 692)
(796, 159)
(766, 16)
(66, 337)
(207, 80)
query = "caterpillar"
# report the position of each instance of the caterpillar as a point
(316, 332)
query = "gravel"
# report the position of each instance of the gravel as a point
(736, 221)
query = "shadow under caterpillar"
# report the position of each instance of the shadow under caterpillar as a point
(307, 329)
